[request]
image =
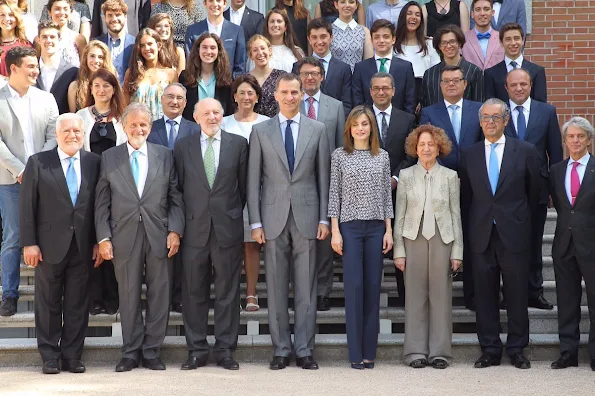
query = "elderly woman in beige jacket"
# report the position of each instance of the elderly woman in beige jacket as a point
(428, 247)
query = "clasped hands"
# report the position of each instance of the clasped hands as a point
(400, 263)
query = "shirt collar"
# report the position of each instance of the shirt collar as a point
(584, 160)
(459, 103)
(178, 119)
(526, 105)
(63, 155)
(211, 81)
(378, 57)
(327, 58)
(204, 136)
(214, 27)
(15, 94)
(391, 5)
(388, 111)
(316, 96)
(142, 149)
(422, 171)
(478, 32)
(502, 140)
(295, 118)
(43, 65)
(343, 26)
(518, 60)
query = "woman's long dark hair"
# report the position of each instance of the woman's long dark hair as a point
(289, 38)
(220, 68)
(401, 31)
(168, 47)
(117, 101)
(299, 10)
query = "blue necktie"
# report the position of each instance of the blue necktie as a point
(72, 181)
(171, 137)
(486, 35)
(493, 169)
(456, 121)
(289, 146)
(521, 124)
(134, 166)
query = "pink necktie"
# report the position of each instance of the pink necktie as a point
(311, 110)
(575, 182)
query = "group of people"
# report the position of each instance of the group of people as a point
(178, 159)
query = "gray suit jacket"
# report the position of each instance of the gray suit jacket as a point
(44, 112)
(119, 209)
(332, 115)
(272, 190)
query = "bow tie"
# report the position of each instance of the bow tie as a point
(485, 35)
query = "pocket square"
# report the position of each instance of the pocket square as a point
(228, 40)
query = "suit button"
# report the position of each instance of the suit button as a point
(71, 227)
(570, 228)
(572, 211)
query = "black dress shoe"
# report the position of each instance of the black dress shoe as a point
(486, 360)
(111, 309)
(593, 365)
(471, 306)
(51, 367)
(540, 303)
(307, 363)
(73, 366)
(126, 364)
(279, 363)
(419, 363)
(503, 305)
(153, 364)
(357, 366)
(439, 363)
(228, 363)
(8, 307)
(369, 365)
(97, 309)
(322, 303)
(193, 362)
(565, 360)
(519, 361)
(176, 307)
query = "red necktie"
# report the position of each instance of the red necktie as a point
(311, 110)
(575, 182)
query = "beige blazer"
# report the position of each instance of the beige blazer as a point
(411, 194)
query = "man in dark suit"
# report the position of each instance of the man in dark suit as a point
(512, 38)
(137, 17)
(231, 34)
(139, 219)
(337, 74)
(500, 187)
(537, 123)
(330, 112)
(394, 126)
(572, 189)
(58, 236)
(119, 43)
(243, 16)
(55, 74)
(213, 168)
(166, 131)
(383, 39)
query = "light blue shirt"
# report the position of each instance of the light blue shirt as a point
(117, 54)
(206, 90)
(295, 127)
(580, 169)
(383, 10)
(316, 103)
(326, 59)
(483, 43)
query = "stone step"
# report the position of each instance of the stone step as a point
(258, 348)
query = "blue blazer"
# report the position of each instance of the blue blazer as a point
(158, 133)
(233, 40)
(511, 11)
(437, 115)
(402, 72)
(251, 22)
(128, 47)
(494, 79)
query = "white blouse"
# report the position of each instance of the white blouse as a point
(420, 62)
(282, 59)
(231, 125)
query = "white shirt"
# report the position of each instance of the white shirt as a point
(236, 16)
(515, 112)
(216, 29)
(143, 165)
(496, 7)
(295, 127)
(386, 64)
(47, 74)
(518, 60)
(23, 113)
(388, 112)
(419, 61)
(499, 151)
(65, 162)
(326, 60)
(204, 144)
(178, 119)
(316, 103)
(343, 26)
(580, 169)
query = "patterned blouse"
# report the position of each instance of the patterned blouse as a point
(360, 186)
(267, 105)
(348, 44)
(151, 96)
(181, 18)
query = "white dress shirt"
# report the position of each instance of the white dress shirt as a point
(343, 26)
(518, 60)
(23, 113)
(295, 127)
(496, 7)
(215, 29)
(389, 58)
(450, 111)
(236, 16)
(515, 112)
(377, 112)
(48, 74)
(178, 119)
(499, 151)
(65, 162)
(325, 61)
(143, 165)
(204, 144)
(316, 103)
(580, 169)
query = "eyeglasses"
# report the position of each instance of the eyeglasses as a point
(452, 43)
(455, 81)
(310, 74)
(178, 98)
(495, 119)
(378, 89)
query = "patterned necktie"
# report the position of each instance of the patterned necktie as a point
(134, 166)
(209, 161)
(311, 109)
(456, 121)
(383, 65)
(383, 129)
(72, 180)
(575, 182)
(173, 133)
(514, 65)
(521, 124)
(429, 224)
(289, 150)
(493, 168)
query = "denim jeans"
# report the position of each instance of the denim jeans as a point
(10, 254)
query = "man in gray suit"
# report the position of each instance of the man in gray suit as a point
(329, 111)
(212, 166)
(139, 219)
(27, 124)
(288, 185)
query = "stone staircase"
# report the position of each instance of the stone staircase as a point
(18, 345)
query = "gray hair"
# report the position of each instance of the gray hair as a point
(68, 117)
(581, 123)
(137, 108)
(176, 84)
(496, 101)
(383, 75)
(197, 103)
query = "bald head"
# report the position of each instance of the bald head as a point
(208, 113)
(518, 85)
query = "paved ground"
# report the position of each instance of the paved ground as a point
(257, 379)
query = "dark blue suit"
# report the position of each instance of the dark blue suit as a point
(437, 115)
(402, 72)
(159, 131)
(251, 22)
(128, 47)
(494, 79)
(233, 40)
(543, 131)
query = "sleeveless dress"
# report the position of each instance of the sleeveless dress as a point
(348, 44)
(436, 20)
(150, 95)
